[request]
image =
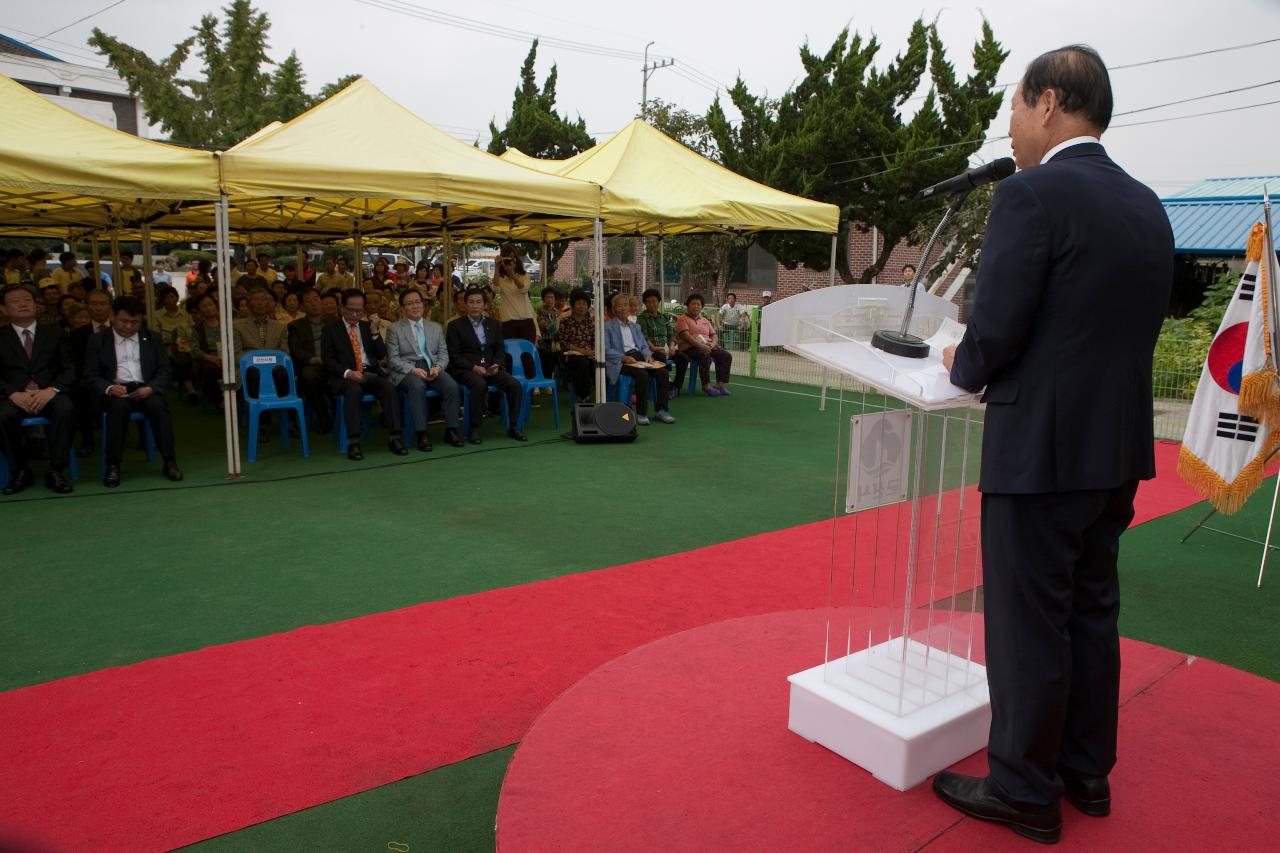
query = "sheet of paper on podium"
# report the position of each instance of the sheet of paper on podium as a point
(921, 382)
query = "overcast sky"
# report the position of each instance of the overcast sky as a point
(430, 56)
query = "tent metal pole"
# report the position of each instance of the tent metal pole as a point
(357, 259)
(95, 255)
(117, 283)
(662, 267)
(148, 283)
(599, 310)
(446, 289)
(226, 339)
(301, 260)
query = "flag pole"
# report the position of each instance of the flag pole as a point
(1269, 258)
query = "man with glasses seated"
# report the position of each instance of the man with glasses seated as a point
(417, 357)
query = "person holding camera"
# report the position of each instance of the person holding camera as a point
(515, 308)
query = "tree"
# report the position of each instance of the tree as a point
(534, 126)
(237, 94)
(839, 136)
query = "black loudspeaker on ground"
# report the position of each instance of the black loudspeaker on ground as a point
(600, 422)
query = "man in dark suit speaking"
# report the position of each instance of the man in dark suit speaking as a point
(1074, 281)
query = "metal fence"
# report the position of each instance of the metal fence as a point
(1174, 380)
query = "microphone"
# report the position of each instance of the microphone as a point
(996, 170)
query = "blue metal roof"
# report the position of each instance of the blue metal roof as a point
(1250, 187)
(23, 46)
(1214, 216)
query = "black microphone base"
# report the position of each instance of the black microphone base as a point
(897, 343)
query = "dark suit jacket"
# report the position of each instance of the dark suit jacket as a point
(465, 350)
(302, 341)
(338, 355)
(50, 363)
(100, 361)
(79, 342)
(1073, 285)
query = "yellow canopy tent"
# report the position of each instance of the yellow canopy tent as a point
(653, 184)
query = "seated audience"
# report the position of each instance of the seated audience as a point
(305, 336)
(418, 358)
(175, 327)
(261, 330)
(351, 352)
(87, 408)
(548, 319)
(375, 312)
(49, 312)
(330, 306)
(253, 277)
(696, 338)
(67, 272)
(659, 329)
(290, 308)
(35, 377)
(477, 359)
(331, 277)
(577, 336)
(206, 349)
(626, 353)
(127, 368)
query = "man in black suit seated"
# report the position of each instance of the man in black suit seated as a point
(477, 360)
(305, 337)
(127, 369)
(87, 408)
(1077, 266)
(36, 375)
(351, 352)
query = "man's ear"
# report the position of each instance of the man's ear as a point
(1048, 105)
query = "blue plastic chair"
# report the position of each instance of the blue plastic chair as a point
(517, 347)
(366, 422)
(30, 422)
(149, 439)
(262, 362)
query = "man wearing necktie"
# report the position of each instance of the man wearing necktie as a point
(351, 351)
(417, 358)
(35, 375)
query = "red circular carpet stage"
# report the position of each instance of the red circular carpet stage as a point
(682, 744)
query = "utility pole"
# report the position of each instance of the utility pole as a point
(648, 72)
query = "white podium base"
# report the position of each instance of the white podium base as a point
(946, 711)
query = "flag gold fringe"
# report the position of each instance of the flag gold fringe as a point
(1260, 391)
(1253, 248)
(1227, 498)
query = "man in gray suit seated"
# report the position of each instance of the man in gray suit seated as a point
(417, 358)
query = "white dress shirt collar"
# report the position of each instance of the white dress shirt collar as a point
(1067, 143)
(18, 330)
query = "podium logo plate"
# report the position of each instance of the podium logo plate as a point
(878, 459)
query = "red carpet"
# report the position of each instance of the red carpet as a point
(175, 750)
(683, 745)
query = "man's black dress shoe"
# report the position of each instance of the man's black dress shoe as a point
(518, 435)
(973, 796)
(397, 447)
(19, 481)
(424, 442)
(451, 436)
(353, 452)
(172, 471)
(58, 481)
(111, 479)
(1089, 794)
(475, 436)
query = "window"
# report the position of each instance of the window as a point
(621, 250)
(754, 268)
(581, 266)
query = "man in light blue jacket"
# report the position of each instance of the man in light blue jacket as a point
(417, 358)
(627, 353)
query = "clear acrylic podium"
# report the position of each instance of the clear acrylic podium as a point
(898, 690)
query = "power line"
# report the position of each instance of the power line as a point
(1191, 55)
(78, 20)
(1197, 115)
(1197, 98)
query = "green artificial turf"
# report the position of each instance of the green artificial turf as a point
(450, 809)
(105, 578)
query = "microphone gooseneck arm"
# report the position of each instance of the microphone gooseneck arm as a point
(957, 201)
